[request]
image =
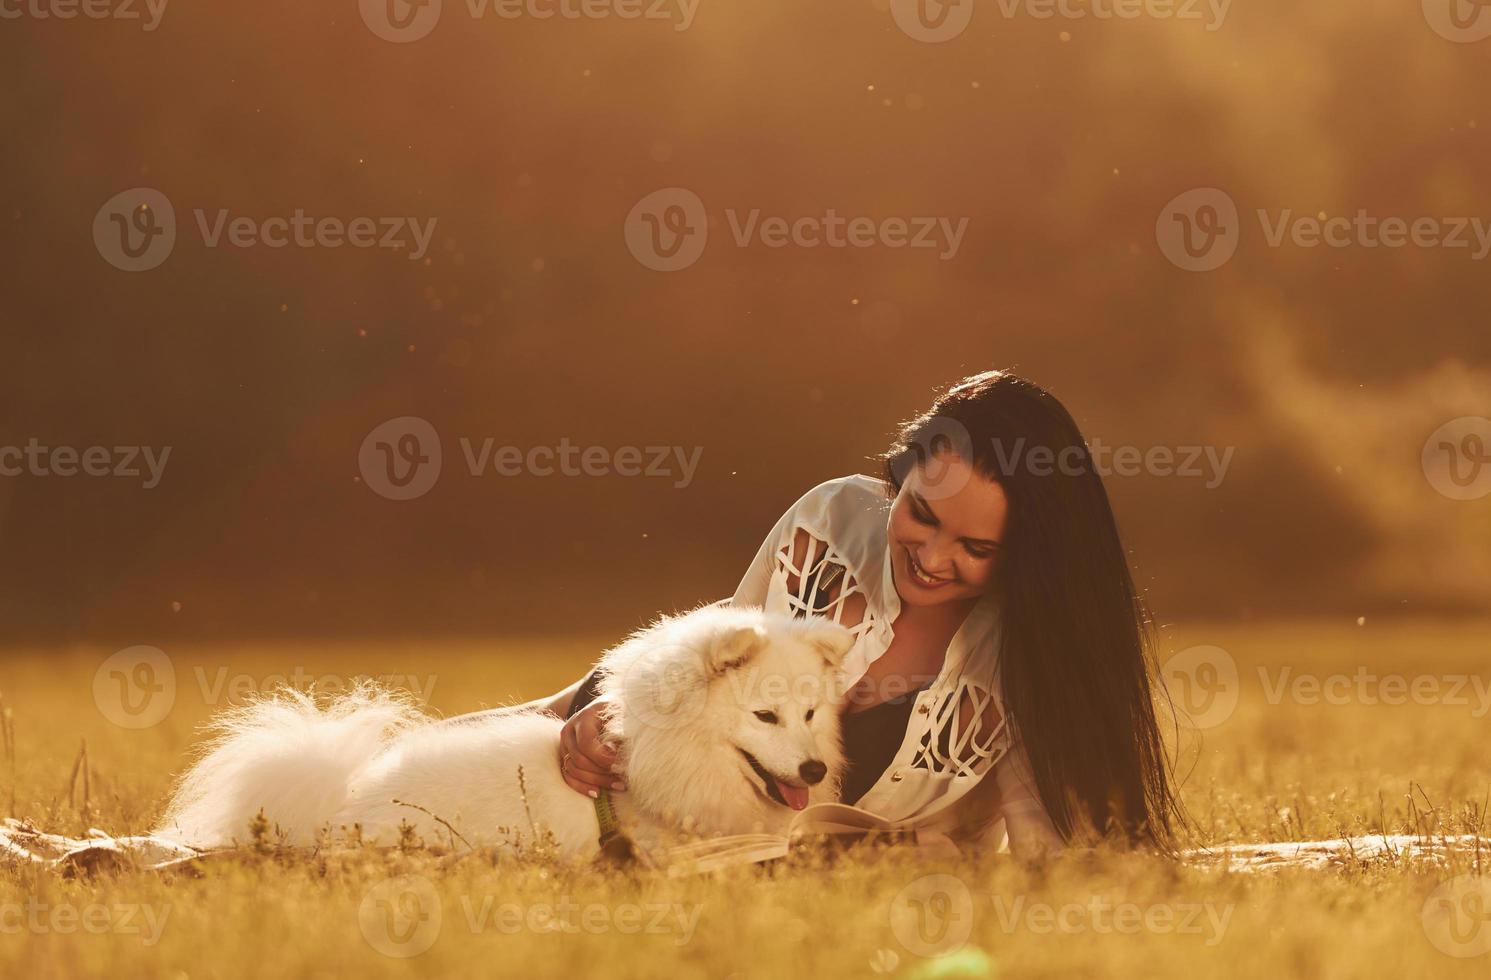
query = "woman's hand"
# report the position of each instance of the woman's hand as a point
(585, 760)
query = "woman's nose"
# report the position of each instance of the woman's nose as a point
(933, 558)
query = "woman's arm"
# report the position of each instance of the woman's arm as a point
(585, 758)
(557, 704)
(560, 703)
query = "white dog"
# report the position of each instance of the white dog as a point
(725, 720)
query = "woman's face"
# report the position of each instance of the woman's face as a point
(945, 533)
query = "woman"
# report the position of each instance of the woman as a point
(1001, 670)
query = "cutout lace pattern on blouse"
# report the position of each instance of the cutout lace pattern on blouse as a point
(964, 735)
(820, 583)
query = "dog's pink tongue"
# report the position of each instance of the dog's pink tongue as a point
(796, 796)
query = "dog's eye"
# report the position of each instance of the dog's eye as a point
(808, 716)
(770, 717)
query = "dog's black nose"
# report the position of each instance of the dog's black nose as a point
(813, 772)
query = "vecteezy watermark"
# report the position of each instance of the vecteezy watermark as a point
(1461, 21)
(402, 21)
(668, 229)
(115, 462)
(1208, 463)
(137, 687)
(1200, 230)
(568, 917)
(136, 230)
(144, 920)
(1457, 458)
(220, 686)
(933, 915)
(147, 12)
(1365, 686)
(403, 917)
(936, 21)
(402, 458)
(665, 692)
(1104, 916)
(1203, 685)
(942, 440)
(1457, 916)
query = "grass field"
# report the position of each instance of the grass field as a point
(1302, 747)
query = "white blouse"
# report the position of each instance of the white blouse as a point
(835, 541)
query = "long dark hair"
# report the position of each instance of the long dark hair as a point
(1076, 646)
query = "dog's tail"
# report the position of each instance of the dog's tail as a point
(286, 754)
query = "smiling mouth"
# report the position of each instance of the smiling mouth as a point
(777, 790)
(923, 579)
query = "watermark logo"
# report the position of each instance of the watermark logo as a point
(940, 443)
(1366, 687)
(1457, 458)
(136, 687)
(119, 462)
(665, 690)
(1207, 463)
(667, 230)
(400, 459)
(1103, 916)
(148, 12)
(568, 917)
(400, 21)
(135, 230)
(932, 21)
(1203, 685)
(932, 916)
(146, 921)
(1461, 21)
(1198, 231)
(936, 21)
(938, 448)
(401, 917)
(1457, 916)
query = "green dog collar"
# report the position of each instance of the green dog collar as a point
(605, 815)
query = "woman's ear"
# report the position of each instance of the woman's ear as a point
(733, 647)
(831, 641)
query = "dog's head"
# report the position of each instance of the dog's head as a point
(728, 717)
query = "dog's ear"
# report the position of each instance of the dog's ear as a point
(735, 646)
(830, 640)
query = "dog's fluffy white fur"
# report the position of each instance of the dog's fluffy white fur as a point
(726, 720)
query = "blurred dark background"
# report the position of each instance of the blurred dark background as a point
(529, 321)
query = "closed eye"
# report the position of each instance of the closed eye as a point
(979, 548)
(770, 717)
